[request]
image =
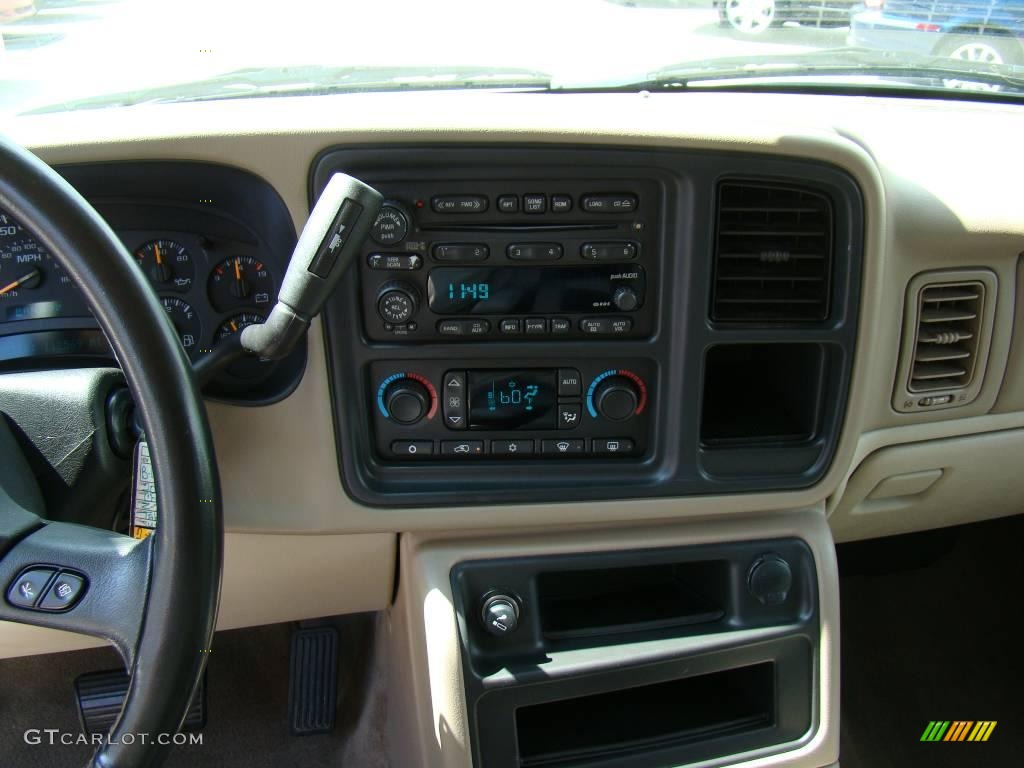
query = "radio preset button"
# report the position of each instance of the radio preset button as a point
(511, 325)
(569, 415)
(462, 447)
(562, 447)
(395, 261)
(508, 203)
(561, 203)
(453, 403)
(611, 445)
(536, 325)
(609, 251)
(511, 447)
(570, 384)
(534, 251)
(459, 203)
(461, 252)
(560, 325)
(535, 203)
(610, 203)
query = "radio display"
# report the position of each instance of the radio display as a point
(512, 399)
(481, 290)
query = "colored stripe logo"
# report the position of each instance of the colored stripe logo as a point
(958, 730)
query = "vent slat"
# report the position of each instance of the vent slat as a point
(773, 254)
(947, 337)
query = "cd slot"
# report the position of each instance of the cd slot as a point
(519, 228)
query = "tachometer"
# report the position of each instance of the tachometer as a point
(167, 263)
(186, 322)
(238, 281)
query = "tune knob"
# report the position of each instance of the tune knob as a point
(625, 299)
(616, 398)
(407, 401)
(397, 302)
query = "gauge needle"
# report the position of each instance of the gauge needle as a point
(234, 326)
(156, 253)
(21, 280)
(238, 271)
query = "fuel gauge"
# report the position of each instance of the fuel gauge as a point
(186, 322)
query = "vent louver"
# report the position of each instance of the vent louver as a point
(948, 330)
(773, 254)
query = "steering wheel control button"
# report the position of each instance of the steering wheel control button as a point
(26, 590)
(565, 447)
(500, 615)
(412, 449)
(453, 403)
(462, 448)
(511, 447)
(769, 579)
(63, 593)
(459, 204)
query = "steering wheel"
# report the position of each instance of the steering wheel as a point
(154, 599)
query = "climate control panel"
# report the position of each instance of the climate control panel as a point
(510, 410)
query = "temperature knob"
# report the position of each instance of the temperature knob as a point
(397, 302)
(616, 398)
(407, 401)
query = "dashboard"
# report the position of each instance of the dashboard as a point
(213, 271)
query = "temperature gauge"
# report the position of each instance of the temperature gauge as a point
(167, 263)
(186, 322)
(248, 367)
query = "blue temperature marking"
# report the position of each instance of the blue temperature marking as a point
(593, 385)
(380, 392)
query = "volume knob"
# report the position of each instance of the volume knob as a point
(625, 299)
(397, 302)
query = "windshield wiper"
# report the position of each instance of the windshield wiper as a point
(314, 80)
(832, 70)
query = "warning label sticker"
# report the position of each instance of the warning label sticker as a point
(144, 507)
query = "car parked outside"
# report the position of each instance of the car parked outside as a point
(752, 17)
(981, 31)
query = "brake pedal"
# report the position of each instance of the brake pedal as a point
(100, 697)
(313, 680)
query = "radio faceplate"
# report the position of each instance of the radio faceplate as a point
(501, 260)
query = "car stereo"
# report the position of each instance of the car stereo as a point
(506, 260)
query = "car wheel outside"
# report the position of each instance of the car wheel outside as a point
(750, 17)
(985, 49)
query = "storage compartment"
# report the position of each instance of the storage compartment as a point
(590, 602)
(762, 393)
(648, 717)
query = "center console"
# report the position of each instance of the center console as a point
(531, 324)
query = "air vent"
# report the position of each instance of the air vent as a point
(948, 330)
(773, 254)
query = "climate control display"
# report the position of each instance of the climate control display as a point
(512, 399)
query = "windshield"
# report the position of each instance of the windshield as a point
(62, 55)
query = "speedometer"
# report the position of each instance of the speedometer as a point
(33, 285)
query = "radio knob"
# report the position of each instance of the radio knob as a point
(391, 225)
(397, 302)
(616, 398)
(407, 401)
(625, 299)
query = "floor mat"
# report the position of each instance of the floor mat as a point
(931, 631)
(248, 697)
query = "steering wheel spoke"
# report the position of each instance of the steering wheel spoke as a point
(78, 579)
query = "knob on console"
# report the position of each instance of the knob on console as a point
(397, 302)
(770, 579)
(407, 401)
(625, 299)
(616, 398)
